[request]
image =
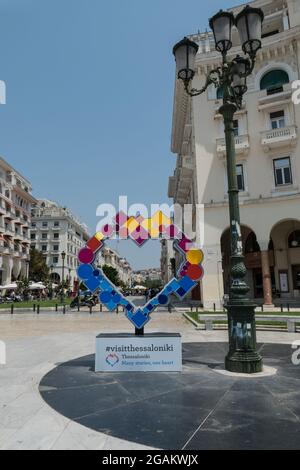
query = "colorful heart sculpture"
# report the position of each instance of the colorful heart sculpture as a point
(140, 230)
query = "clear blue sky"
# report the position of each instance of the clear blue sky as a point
(90, 92)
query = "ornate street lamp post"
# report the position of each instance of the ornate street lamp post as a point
(50, 282)
(232, 78)
(63, 256)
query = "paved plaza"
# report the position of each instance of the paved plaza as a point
(48, 385)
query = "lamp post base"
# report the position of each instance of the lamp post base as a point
(242, 356)
(244, 363)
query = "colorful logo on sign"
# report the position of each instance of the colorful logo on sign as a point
(140, 230)
(112, 359)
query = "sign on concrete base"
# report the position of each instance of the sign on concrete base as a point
(157, 352)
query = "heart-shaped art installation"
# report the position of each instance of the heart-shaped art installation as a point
(140, 230)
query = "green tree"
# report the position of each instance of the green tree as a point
(38, 269)
(112, 274)
(23, 287)
(153, 283)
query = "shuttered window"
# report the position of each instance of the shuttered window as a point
(273, 81)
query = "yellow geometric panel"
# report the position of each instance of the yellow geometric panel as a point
(161, 219)
(131, 224)
(99, 236)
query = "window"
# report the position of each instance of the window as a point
(45, 224)
(277, 120)
(56, 236)
(220, 93)
(56, 224)
(273, 81)
(44, 247)
(294, 239)
(251, 244)
(236, 127)
(283, 171)
(44, 236)
(55, 259)
(296, 277)
(240, 177)
(32, 236)
(55, 247)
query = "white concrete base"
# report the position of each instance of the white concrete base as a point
(269, 308)
(267, 372)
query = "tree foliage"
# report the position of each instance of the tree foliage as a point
(112, 274)
(38, 269)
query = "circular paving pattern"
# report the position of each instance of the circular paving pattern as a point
(198, 409)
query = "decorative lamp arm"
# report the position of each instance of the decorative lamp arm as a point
(214, 77)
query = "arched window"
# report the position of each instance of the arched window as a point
(251, 245)
(55, 277)
(220, 93)
(273, 81)
(294, 239)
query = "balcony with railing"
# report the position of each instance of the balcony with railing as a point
(6, 248)
(242, 145)
(9, 213)
(18, 235)
(282, 137)
(8, 230)
(2, 207)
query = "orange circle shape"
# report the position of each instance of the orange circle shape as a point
(195, 256)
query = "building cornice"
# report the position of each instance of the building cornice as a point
(210, 60)
(248, 202)
(180, 108)
(24, 194)
(4, 164)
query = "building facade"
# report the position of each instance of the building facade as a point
(15, 216)
(167, 261)
(54, 231)
(268, 161)
(145, 276)
(110, 257)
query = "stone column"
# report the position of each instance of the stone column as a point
(212, 282)
(267, 283)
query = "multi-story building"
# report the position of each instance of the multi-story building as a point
(147, 275)
(15, 214)
(54, 231)
(138, 279)
(167, 261)
(268, 161)
(110, 257)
